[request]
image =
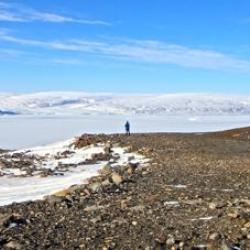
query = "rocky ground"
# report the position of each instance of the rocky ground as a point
(194, 194)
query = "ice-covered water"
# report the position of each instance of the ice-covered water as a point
(20, 131)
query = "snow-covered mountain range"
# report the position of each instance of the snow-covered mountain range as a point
(79, 103)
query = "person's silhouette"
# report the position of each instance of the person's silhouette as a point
(127, 128)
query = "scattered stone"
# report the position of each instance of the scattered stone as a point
(193, 202)
(93, 208)
(134, 223)
(95, 187)
(214, 236)
(247, 225)
(129, 207)
(233, 214)
(116, 178)
(15, 220)
(3, 218)
(214, 205)
(62, 193)
(13, 245)
(170, 241)
(130, 158)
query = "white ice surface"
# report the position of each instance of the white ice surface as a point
(33, 188)
(14, 188)
(21, 132)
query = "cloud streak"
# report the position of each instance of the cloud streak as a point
(18, 13)
(140, 51)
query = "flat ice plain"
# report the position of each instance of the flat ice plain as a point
(19, 132)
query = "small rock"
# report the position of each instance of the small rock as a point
(247, 225)
(233, 214)
(244, 232)
(170, 241)
(181, 245)
(3, 218)
(134, 223)
(224, 246)
(138, 208)
(124, 204)
(92, 208)
(216, 205)
(212, 205)
(13, 245)
(96, 219)
(62, 193)
(130, 170)
(130, 158)
(106, 169)
(15, 220)
(246, 202)
(116, 178)
(95, 187)
(106, 183)
(193, 202)
(214, 236)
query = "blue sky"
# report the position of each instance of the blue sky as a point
(125, 46)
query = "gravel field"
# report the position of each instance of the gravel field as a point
(193, 194)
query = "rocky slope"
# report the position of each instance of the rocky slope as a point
(194, 194)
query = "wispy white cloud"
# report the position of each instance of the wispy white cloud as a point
(141, 51)
(10, 52)
(66, 61)
(18, 13)
(9, 17)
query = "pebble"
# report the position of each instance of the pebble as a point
(233, 214)
(116, 178)
(170, 241)
(134, 223)
(94, 187)
(214, 236)
(13, 245)
(247, 225)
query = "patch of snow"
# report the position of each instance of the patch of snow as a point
(172, 203)
(13, 171)
(26, 188)
(50, 153)
(203, 218)
(33, 188)
(178, 186)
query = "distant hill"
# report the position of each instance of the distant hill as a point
(79, 103)
(7, 112)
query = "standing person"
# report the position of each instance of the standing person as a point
(127, 128)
